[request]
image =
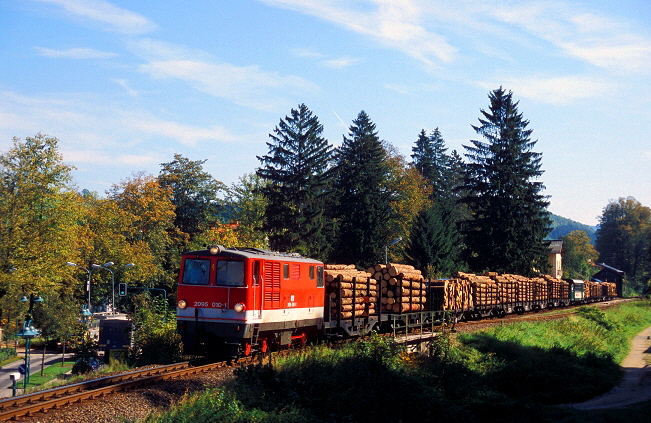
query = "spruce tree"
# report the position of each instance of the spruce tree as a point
(430, 160)
(435, 244)
(363, 197)
(298, 176)
(509, 216)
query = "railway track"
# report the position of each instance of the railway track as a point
(43, 401)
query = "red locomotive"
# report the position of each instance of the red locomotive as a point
(238, 300)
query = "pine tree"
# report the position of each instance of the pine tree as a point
(298, 176)
(509, 216)
(364, 198)
(431, 161)
(435, 243)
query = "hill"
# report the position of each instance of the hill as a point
(562, 226)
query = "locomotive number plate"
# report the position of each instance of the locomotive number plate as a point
(207, 304)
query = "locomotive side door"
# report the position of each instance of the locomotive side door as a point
(257, 288)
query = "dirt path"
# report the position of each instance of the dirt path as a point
(636, 386)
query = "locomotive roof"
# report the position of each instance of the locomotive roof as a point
(241, 252)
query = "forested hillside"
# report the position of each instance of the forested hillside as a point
(563, 226)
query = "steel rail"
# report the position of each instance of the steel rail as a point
(26, 405)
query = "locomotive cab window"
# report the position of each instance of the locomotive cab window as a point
(196, 272)
(230, 273)
(319, 276)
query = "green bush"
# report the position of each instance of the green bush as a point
(155, 338)
(7, 353)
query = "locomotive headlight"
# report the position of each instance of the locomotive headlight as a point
(182, 304)
(239, 307)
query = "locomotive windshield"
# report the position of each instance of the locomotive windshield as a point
(230, 273)
(196, 272)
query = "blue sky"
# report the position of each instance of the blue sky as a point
(125, 85)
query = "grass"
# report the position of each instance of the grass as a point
(50, 374)
(54, 375)
(510, 373)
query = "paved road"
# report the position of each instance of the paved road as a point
(36, 358)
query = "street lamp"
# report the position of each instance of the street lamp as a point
(106, 267)
(386, 249)
(69, 263)
(28, 331)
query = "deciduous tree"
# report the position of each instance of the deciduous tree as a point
(38, 226)
(579, 256)
(624, 238)
(194, 193)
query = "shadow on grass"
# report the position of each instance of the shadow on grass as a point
(546, 376)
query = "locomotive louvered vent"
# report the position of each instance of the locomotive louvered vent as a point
(272, 285)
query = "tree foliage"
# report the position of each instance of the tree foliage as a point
(194, 193)
(364, 198)
(298, 182)
(38, 229)
(151, 234)
(248, 206)
(509, 217)
(431, 161)
(579, 256)
(624, 238)
(435, 244)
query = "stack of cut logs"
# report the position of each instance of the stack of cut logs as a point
(485, 291)
(351, 292)
(507, 286)
(452, 294)
(402, 287)
(557, 288)
(609, 289)
(592, 289)
(539, 289)
(600, 289)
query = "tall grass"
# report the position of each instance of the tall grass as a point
(510, 373)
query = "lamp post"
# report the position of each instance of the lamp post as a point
(69, 263)
(106, 267)
(28, 331)
(386, 249)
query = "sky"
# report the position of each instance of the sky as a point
(125, 85)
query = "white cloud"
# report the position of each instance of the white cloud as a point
(396, 24)
(599, 40)
(554, 90)
(85, 122)
(123, 83)
(247, 86)
(75, 53)
(186, 134)
(110, 16)
(339, 63)
(306, 52)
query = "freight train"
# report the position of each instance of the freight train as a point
(237, 301)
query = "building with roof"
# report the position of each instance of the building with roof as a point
(610, 274)
(556, 258)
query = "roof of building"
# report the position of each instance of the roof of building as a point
(556, 246)
(612, 269)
